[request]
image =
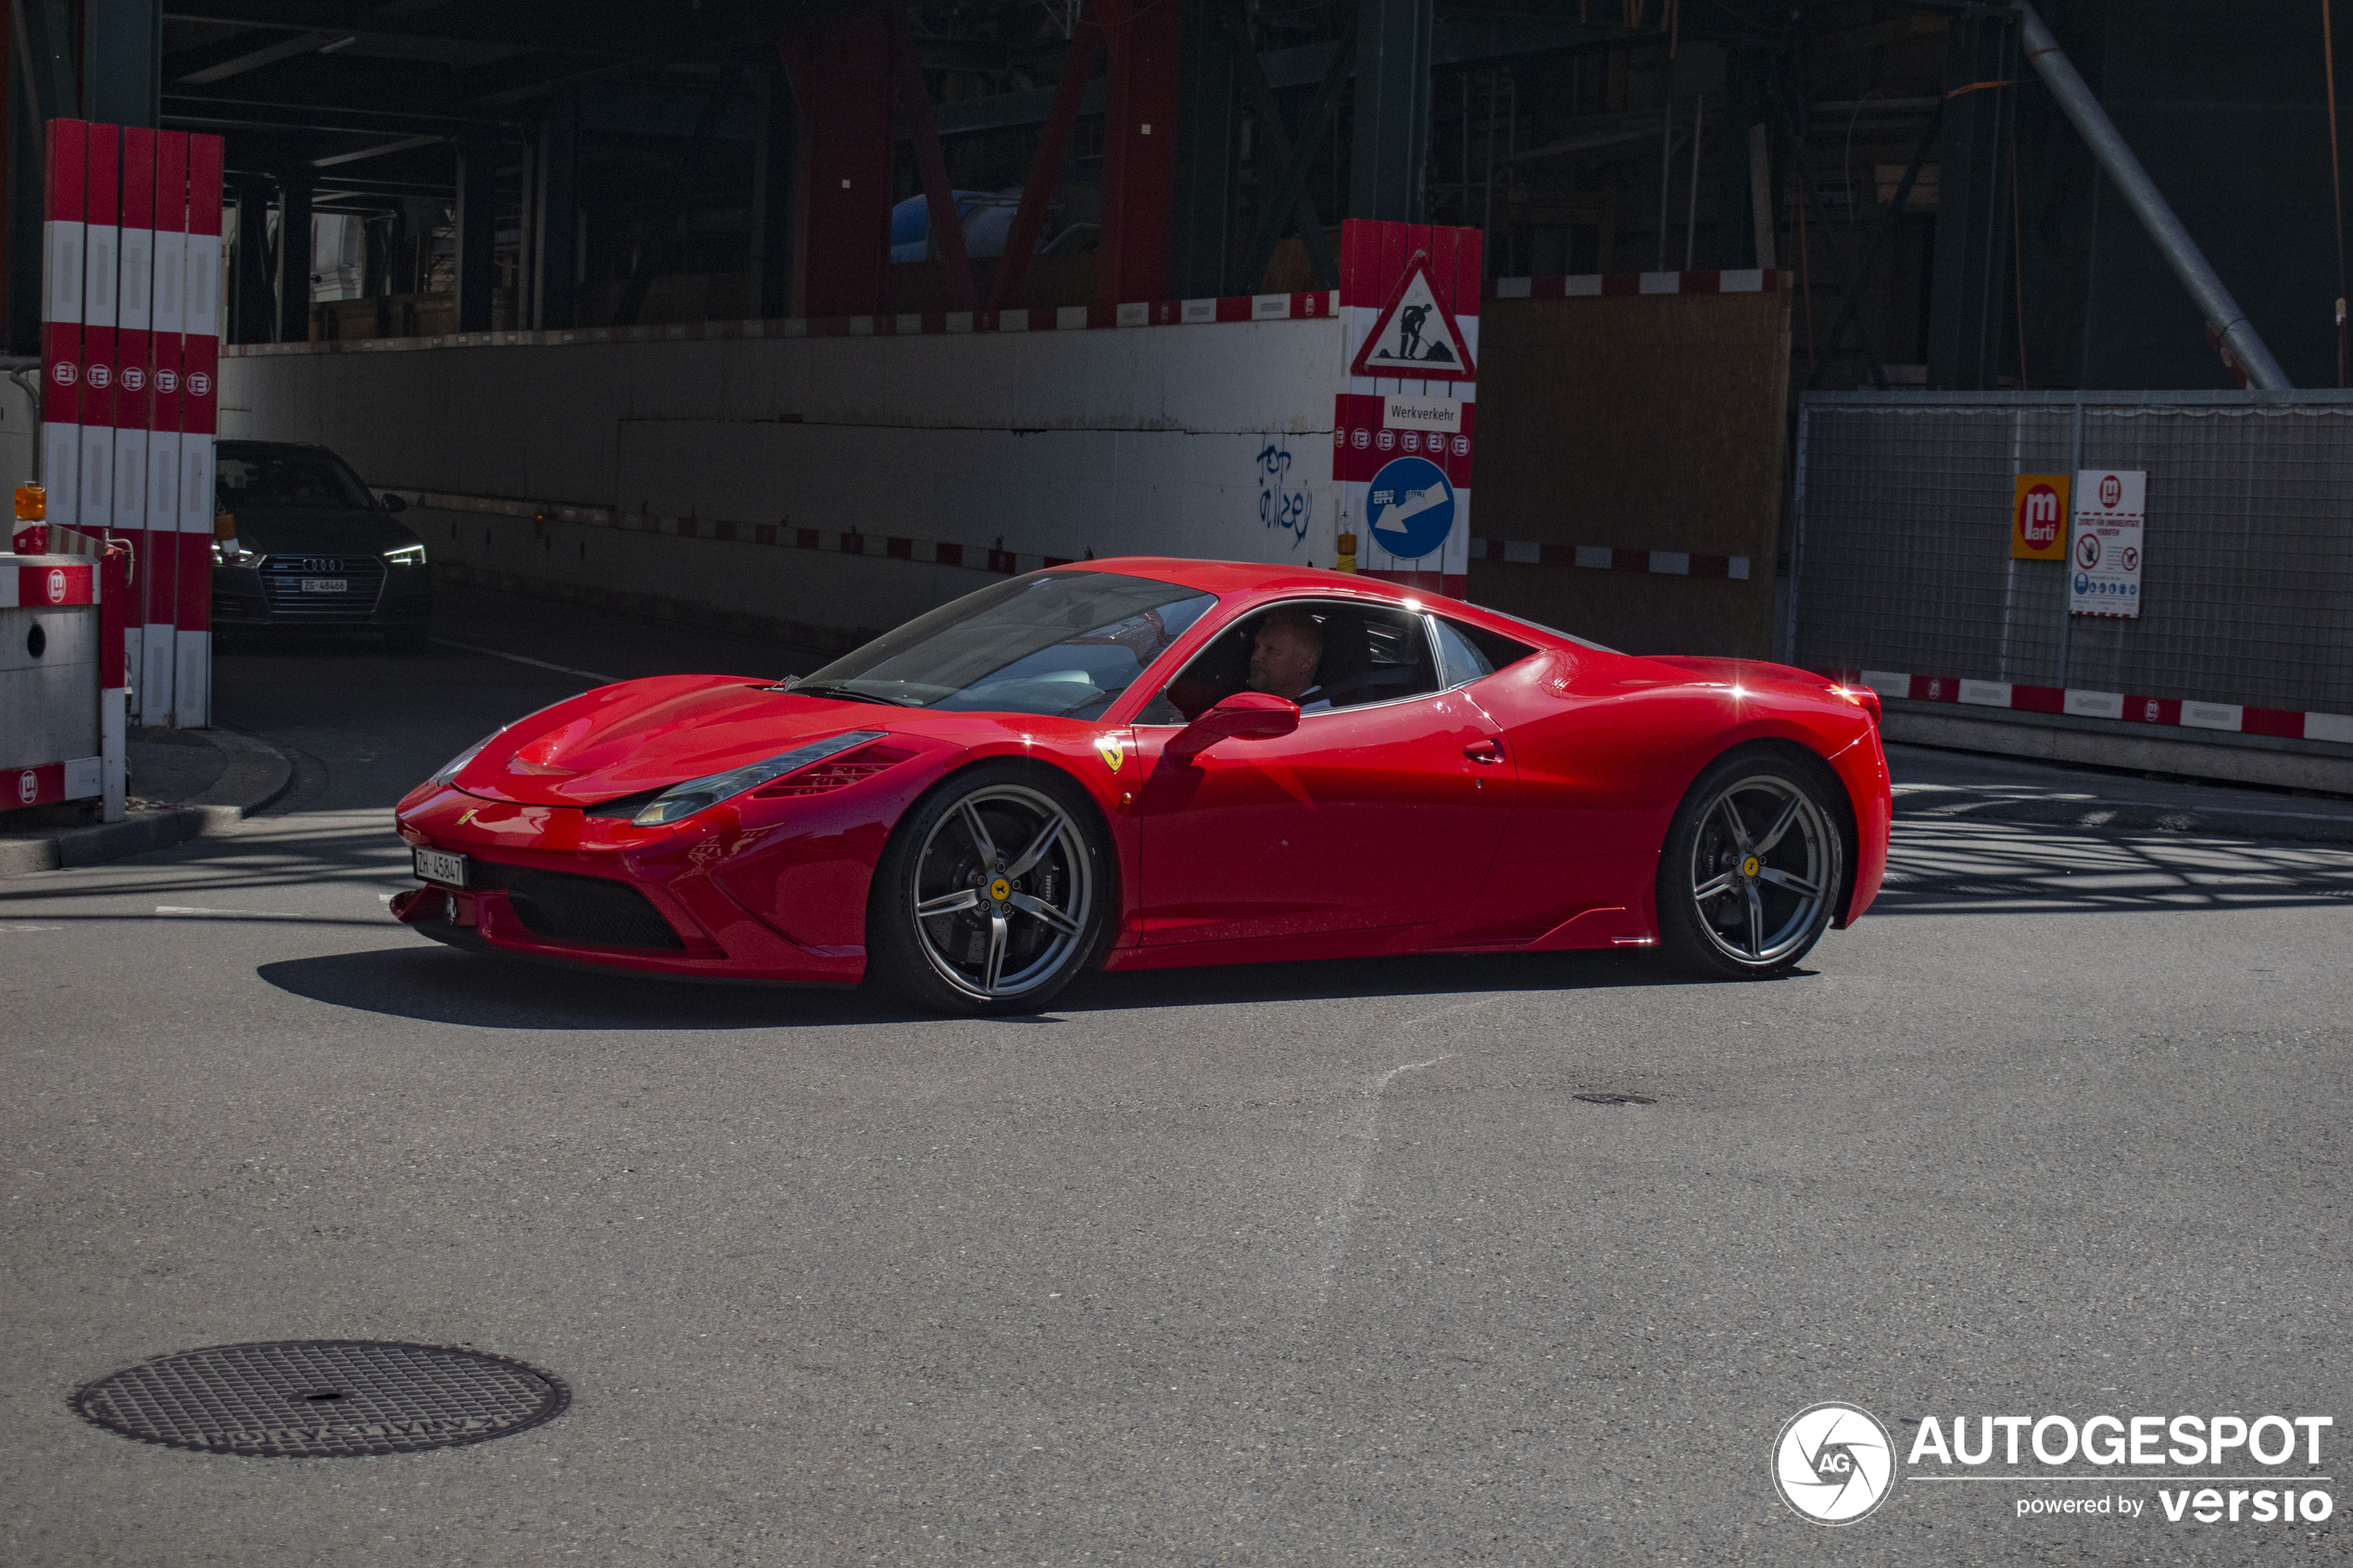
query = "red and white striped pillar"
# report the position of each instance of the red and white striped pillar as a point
(61, 318)
(1390, 432)
(102, 282)
(159, 566)
(115, 606)
(199, 421)
(134, 322)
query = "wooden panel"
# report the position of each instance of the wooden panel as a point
(1643, 422)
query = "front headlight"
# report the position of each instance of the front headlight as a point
(683, 800)
(406, 555)
(228, 552)
(449, 769)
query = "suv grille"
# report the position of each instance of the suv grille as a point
(592, 910)
(283, 578)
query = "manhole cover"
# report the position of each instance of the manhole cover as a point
(1615, 1099)
(318, 1398)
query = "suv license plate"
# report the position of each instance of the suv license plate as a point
(441, 866)
(326, 585)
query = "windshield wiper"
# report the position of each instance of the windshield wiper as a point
(847, 693)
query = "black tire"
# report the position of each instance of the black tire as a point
(1753, 866)
(407, 639)
(993, 894)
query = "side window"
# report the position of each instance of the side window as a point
(1465, 653)
(1323, 654)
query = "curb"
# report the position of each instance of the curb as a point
(257, 774)
(2090, 813)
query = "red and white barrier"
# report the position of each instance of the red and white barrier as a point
(199, 421)
(1604, 558)
(63, 266)
(131, 314)
(62, 700)
(2234, 718)
(1581, 285)
(161, 559)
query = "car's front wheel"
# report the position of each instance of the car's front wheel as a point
(992, 893)
(1753, 867)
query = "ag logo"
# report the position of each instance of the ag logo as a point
(1834, 1463)
(28, 786)
(133, 379)
(167, 380)
(66, 372)
(101, 375)
(198, 384)
(56, 586)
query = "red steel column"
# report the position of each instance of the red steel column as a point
(1140, 149)
(102, 277)
(61, 318)
(199, 405)
(159, 568)
(841, 82)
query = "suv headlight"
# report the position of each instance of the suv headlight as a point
(680, 802)
(406, 555)
(228, 552)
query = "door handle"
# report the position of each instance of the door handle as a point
(1486, 751)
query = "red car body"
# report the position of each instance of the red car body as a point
(1523, 811)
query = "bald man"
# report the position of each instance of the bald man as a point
(1283, 660)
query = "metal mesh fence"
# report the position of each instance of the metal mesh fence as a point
(1902, 554)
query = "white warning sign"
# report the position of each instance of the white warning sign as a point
(2105, 549)
(1416, 337)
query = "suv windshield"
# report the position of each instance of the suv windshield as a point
(253, 474)
(1059, 643)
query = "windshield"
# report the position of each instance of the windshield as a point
(1059, 643)
(254, 474)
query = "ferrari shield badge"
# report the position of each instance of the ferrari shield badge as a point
(1111, 752)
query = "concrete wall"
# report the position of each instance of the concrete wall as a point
(1208, 439)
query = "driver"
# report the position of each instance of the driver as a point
(1283, 660)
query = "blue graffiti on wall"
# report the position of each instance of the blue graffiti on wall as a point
(1280, 506)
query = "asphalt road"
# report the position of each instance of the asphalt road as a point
(1306, 1264)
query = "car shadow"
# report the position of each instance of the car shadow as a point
(436, 984)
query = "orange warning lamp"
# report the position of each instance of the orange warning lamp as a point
(224, 525)
(1347, 543)
(33, 503)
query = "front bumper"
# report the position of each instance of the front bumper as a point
(377, 596)
(551, 883)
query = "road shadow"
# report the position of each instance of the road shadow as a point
(436, 984)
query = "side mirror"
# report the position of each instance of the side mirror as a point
(394, 504)
(1244, 716)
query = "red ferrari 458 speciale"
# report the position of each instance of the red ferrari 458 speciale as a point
(1148, 762)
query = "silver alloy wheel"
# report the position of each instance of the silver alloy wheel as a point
(1004, 890)
(1763, 863)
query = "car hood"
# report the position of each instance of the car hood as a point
(302, 531)
(637, 735)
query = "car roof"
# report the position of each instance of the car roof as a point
(1261, 580)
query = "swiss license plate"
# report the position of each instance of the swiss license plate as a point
(326, 585)
(441, 866)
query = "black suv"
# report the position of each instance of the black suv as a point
(309, 546)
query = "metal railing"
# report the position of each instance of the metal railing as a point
(1900, 554)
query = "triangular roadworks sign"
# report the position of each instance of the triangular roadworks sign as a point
(1416, 337)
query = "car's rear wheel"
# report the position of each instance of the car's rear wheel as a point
(992, 893)
(1753, 867)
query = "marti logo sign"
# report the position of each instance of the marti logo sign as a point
(1834, 1463)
